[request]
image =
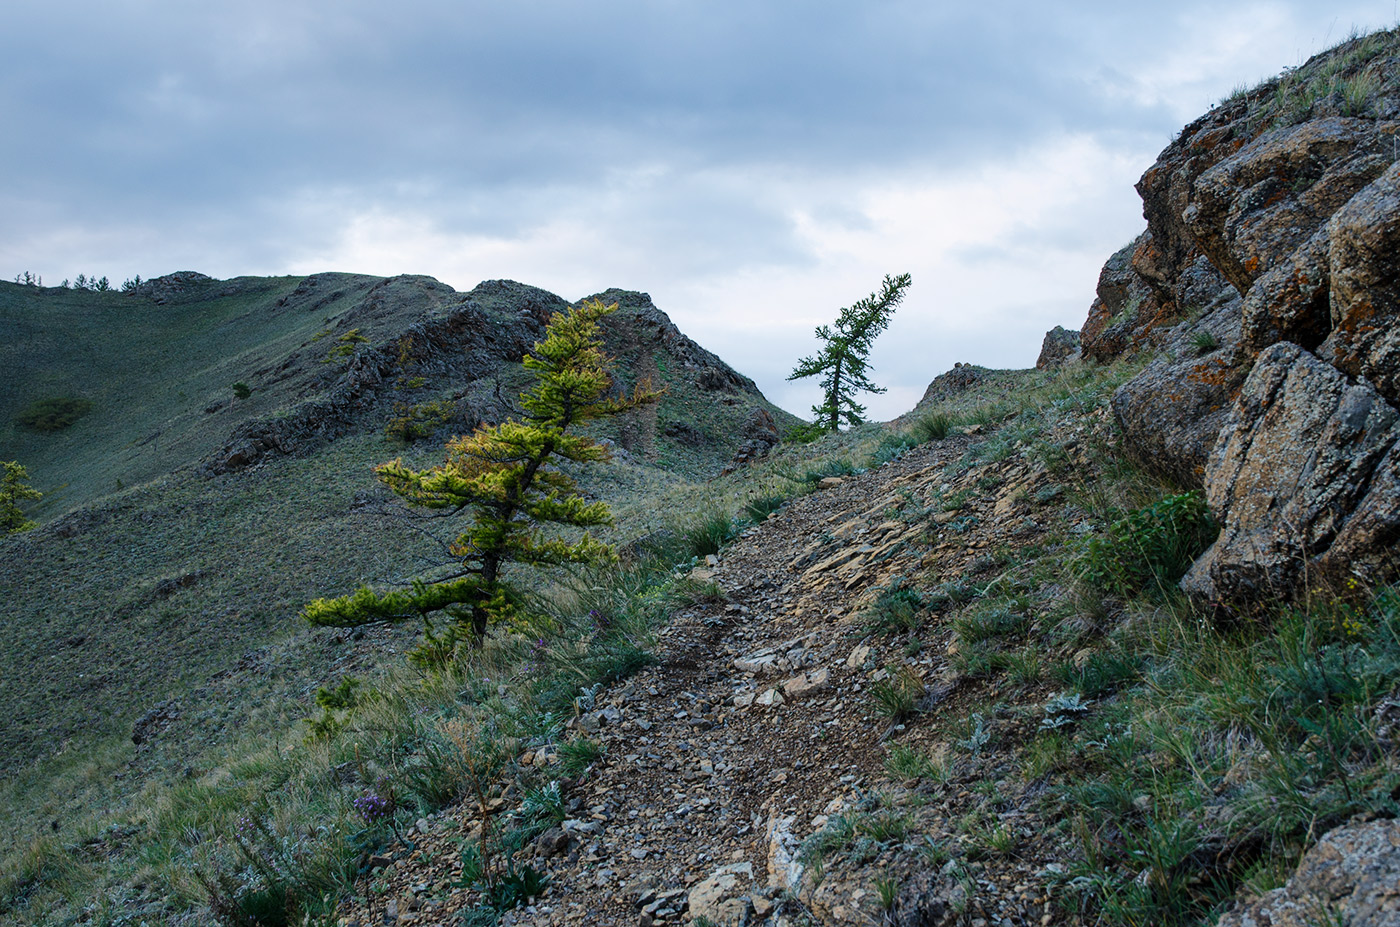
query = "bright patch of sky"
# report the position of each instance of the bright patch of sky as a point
(753, 166)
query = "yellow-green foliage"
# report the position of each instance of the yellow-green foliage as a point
(502, 474)
(411, 422)
(14, 489)
(345, 345)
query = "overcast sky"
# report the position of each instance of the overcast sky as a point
(754, 165)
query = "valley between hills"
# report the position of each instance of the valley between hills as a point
(1113, 640)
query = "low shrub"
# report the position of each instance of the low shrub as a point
(53, 414)
(1150, 549)
(414, 422)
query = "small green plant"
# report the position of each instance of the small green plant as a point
(840, 467)
(1063, 709)
(575, 756)
(1149, 549)
(897, 695)
(989, 621)
(1204, 342)
(413, 422)
(53, 414)
(14, 489)
(978, 734)
(756, 510)
(907, 763)
(242, 390)
(891, 447)
(887, 887)
(708, 532)
(334, 704)
(897, 609)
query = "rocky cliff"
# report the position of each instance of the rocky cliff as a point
(1267, 287)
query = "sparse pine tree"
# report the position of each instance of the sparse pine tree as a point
(504, 476)
(14, 489)
(842, 362)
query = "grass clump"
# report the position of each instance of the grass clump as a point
(897, 609)
(933, 427)
(53, 414)
(897, 694)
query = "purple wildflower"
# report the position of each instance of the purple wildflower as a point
(372, 807)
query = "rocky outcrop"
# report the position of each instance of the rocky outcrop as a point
(1351, 877)
(703, 367)
(1273, 220)
(456, 330)
(760, 437)
(1125, 308)
(1061, 346)
(418, 322)
(1302, 480)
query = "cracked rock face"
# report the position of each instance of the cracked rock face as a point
(1364, 265)
(1301, 478)
(1173, 410)
(1256, 207)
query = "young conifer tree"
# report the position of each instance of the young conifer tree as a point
(14, 489)
(842, 362)
(503, 474)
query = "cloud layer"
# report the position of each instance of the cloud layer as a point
(753, 166)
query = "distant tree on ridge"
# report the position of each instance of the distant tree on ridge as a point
(842, 361)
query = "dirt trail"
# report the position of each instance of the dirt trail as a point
(756, 726)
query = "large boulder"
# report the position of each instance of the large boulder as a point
(1303, 473)
(1061, 345)
(1364, 265)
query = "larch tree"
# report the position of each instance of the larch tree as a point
(842, 361)
(14, 489)
(504, 475)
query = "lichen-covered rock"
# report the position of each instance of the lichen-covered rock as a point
(1365, 285)
(1172, 412)
(1351, 877)
(933, 898)
(1166, 190)
(1289, 301)
(1125, 306)
(1296, 460)
(1256, 207)
(1061, 345)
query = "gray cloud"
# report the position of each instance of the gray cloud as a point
(154, 134)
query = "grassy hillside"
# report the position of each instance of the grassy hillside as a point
(183, 527)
